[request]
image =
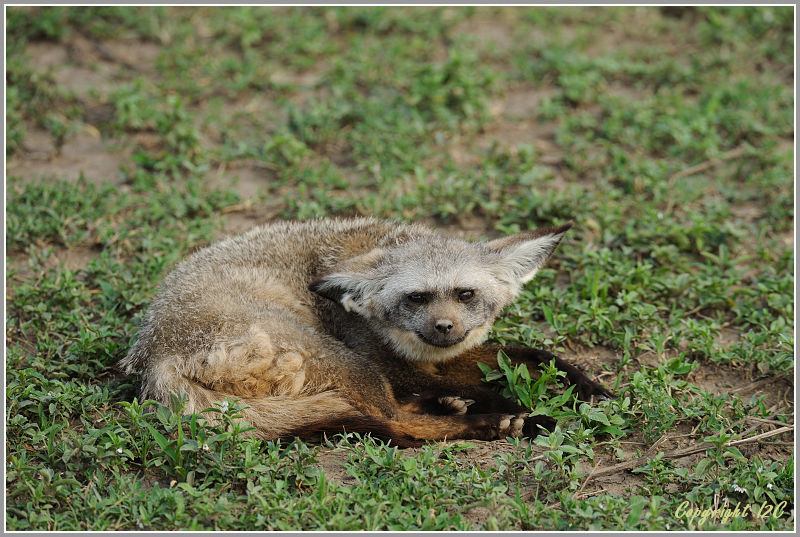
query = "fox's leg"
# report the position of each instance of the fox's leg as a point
(464, 369)
(458, 388)
(251, 365)
(405, 429)
(330, 390)
(420, 391)
(490, 426)
(443, 398)
(487, 404)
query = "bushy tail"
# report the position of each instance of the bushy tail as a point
(284, 417)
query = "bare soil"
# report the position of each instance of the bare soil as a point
(83, 154)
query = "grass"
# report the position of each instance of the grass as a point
(665, 133)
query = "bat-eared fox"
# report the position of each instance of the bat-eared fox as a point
(355, 325)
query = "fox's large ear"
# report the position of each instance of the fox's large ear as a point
(520, 256)
(351, 282)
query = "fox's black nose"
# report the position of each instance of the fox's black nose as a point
(444, 325)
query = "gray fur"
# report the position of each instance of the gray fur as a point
(239, 318)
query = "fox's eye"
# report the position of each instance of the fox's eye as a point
(417, 298)
(466, 296)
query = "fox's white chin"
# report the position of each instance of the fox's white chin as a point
(410, 346)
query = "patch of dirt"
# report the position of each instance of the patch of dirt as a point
(727, 337)
(489, 32)
(625, 482)
(331, 461)
(245, 216)
(461, 154)
(512, 126)
(747, 211)
(464, 226)
(475, 453)
(522, 101)
(87, 81)
(74, 258)
(248, 180)
(621, 484)
(787, 238)
(477, 515)
(785, 145)
(723, 379)
(628, 35)
(627, 92)
(309, 83)
(305, 79)
(88, 67)
(591, 361)
(717, 379)
(510, 136)
(85, 153)
(90, 70)
(482, 453)
(46, 55)
(258, 110)
(140, 56)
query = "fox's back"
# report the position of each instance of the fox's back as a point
(262, 275)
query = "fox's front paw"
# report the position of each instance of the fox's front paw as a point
(512, 424)
(455, 405)
(496, 426)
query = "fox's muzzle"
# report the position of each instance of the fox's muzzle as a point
(443, 339)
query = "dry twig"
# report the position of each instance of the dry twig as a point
(684, 452)
(710, 163)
